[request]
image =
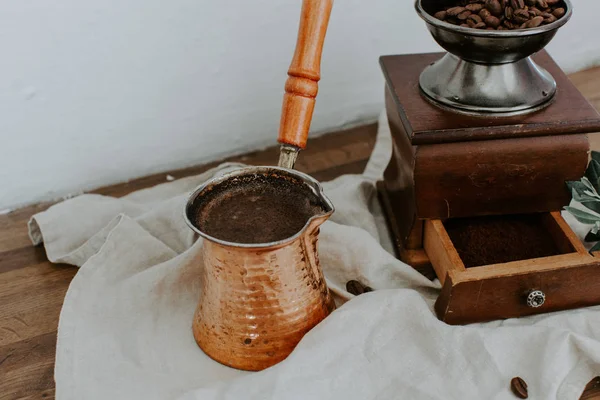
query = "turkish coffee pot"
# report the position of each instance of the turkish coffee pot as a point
(259, 299)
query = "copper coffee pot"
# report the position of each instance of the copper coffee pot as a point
(259, 299)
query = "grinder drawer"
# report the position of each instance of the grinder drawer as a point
(566, 277)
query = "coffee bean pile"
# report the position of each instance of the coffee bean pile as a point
(503, 14)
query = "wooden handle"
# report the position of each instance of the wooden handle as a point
(301, 86)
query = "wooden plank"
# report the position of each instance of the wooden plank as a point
(41, 395)
(331, 173)
(36, 278)
(27, 322)
(19, 257)
(524, 267)
(564, 237)
(27, 367)
(31, 298)
(594, 139)
(13, 227)
(588, 84)
(443, 256)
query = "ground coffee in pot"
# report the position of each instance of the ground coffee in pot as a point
(257, 208)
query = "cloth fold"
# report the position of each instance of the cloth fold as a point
(125, 327)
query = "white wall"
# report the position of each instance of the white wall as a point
(97, 92)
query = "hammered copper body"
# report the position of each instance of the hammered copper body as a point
(258, 300)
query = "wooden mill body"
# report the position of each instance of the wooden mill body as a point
(449, 165)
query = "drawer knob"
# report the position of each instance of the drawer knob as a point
(536, 298)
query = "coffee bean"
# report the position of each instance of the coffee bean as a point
(517, 4)
(440, 15)
(542, 3)
(463, 15)
(492, 21)
(519, 387)
(471, 23)
(454, 11)
(533, 23)
(474, 7)
(553, 2)
(355, 287)
(484, 13)
(531, 3)
(475, 18)
(494, 7)
(521, 16)
(480, 25)
(509, 25)
(508, 12)
(549, 19)
(559, 12)
(535, 11)
(467, 25)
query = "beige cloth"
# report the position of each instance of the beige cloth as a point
(125, 327)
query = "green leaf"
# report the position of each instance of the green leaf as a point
(596, 247)
(582, 216)
(586, 182)
(583, 197)
(593, 174)
(580, 187)
(592, 194)
(593, 205)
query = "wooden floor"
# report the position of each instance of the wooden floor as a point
(32, 289)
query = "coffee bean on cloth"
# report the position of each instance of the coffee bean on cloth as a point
(519, 387)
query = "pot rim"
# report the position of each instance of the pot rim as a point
(307, 179)
(515, 33)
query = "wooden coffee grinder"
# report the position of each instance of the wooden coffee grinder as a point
(484, 138)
